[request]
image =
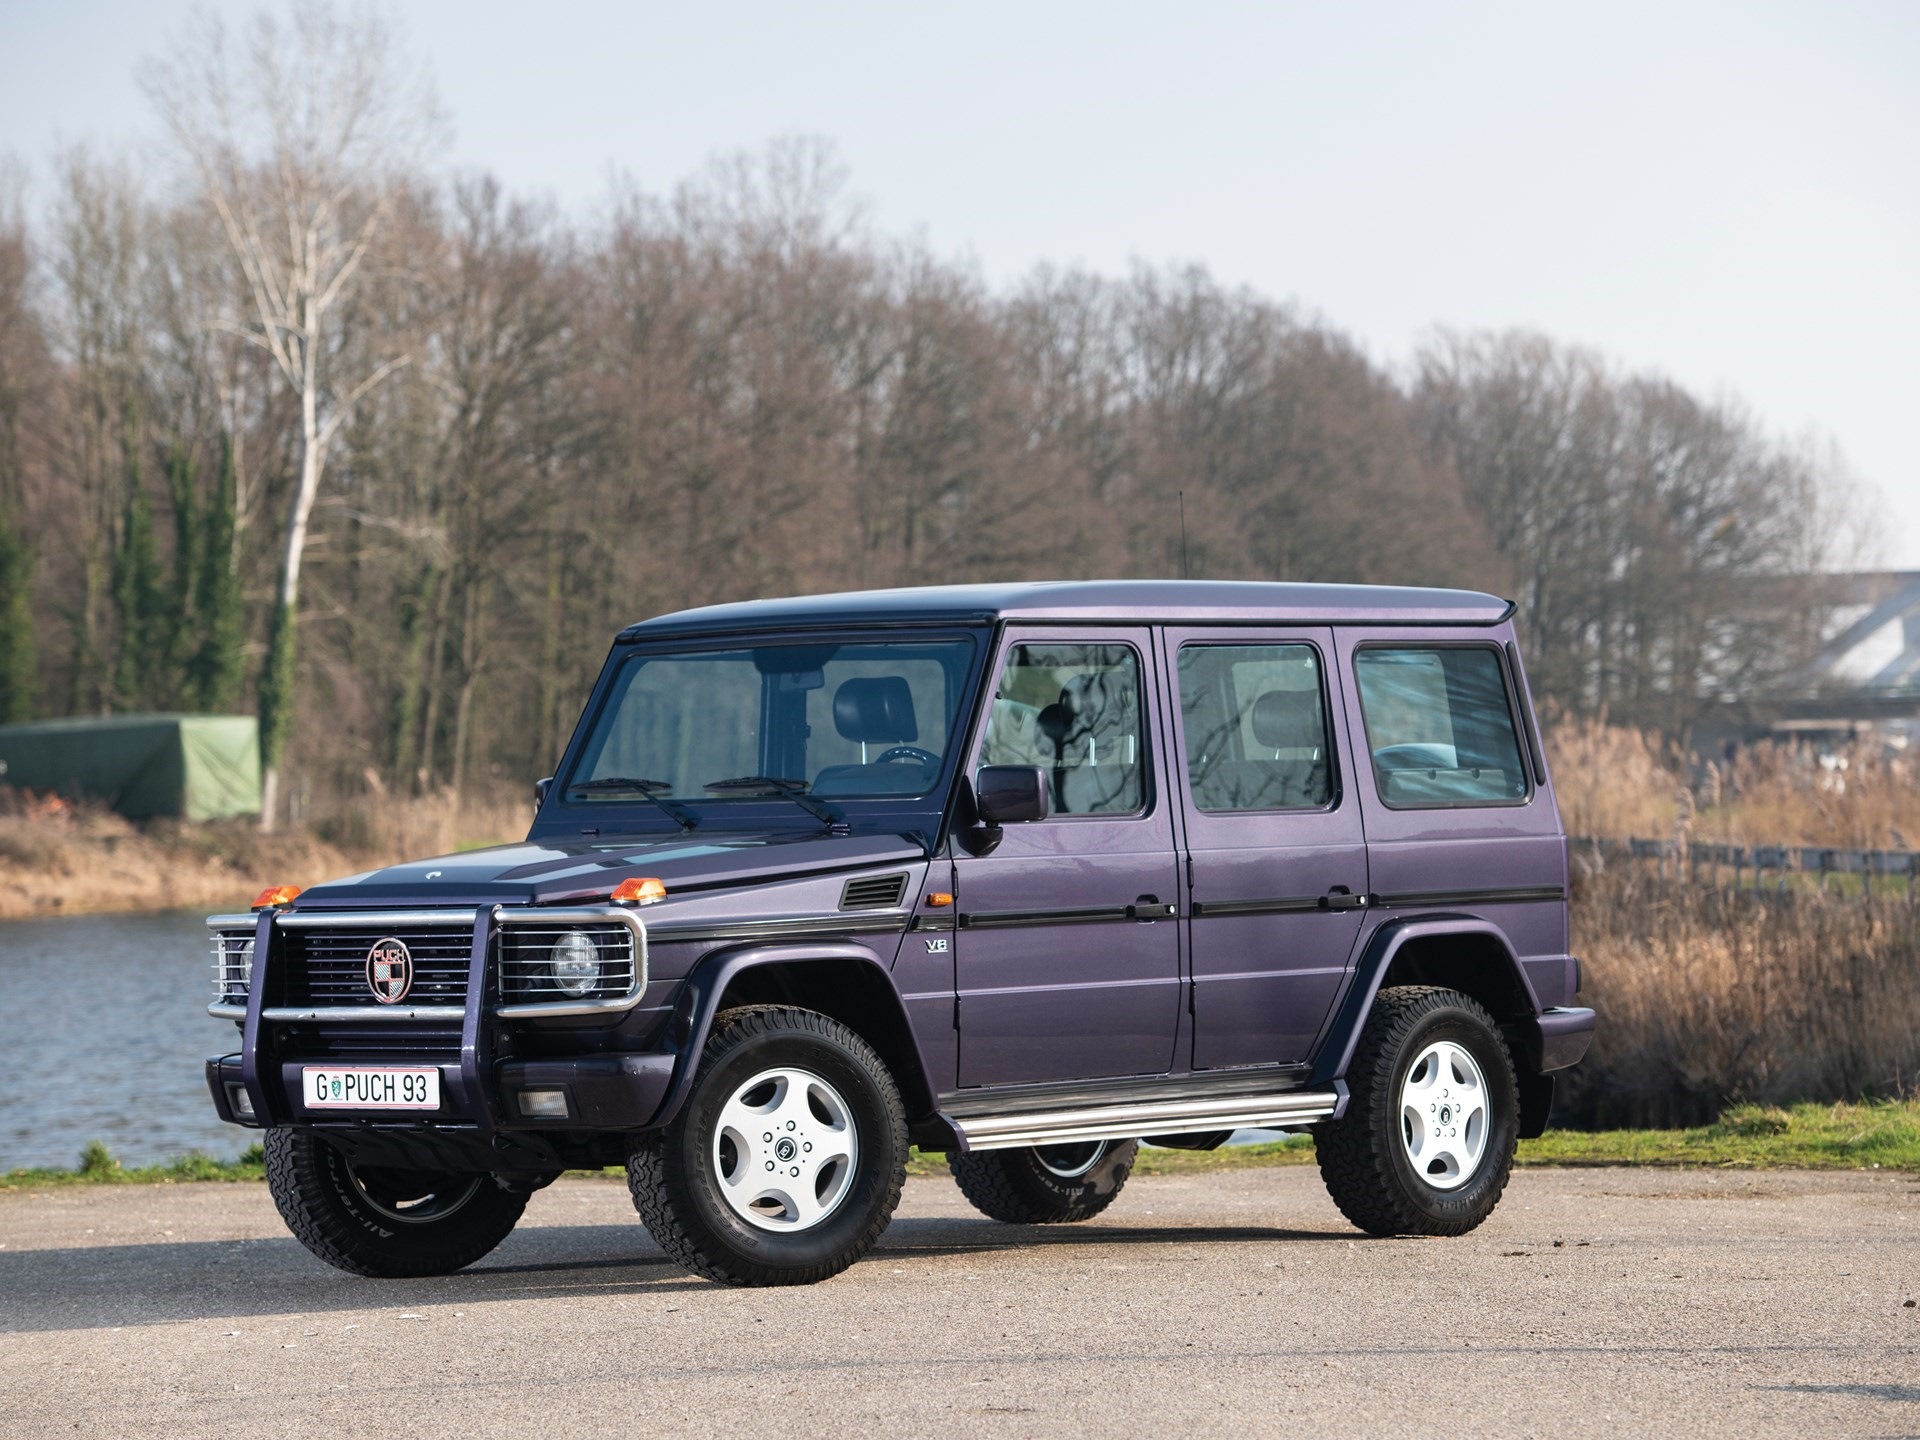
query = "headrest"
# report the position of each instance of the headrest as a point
(1101, 703)
(1289, 720)
(875, 710)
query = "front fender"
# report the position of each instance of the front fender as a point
(706, 986)
(1336, 1053)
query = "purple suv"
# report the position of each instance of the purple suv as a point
(1022, 873)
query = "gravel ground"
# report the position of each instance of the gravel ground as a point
(1594, 1301)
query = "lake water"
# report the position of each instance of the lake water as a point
(104, 1035)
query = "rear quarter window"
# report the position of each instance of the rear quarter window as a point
(1440, 726)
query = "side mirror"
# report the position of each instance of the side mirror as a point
(1011, 794)
(540, 788)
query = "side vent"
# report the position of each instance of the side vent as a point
(873, 892)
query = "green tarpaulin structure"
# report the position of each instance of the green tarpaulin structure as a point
(195, 767)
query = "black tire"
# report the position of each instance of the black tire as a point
(1047, 1184)
(1364, 1159)
(388, 1223)
(675, 1174)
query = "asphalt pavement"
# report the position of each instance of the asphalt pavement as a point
(1593, 1302)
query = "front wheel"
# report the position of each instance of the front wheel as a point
(786, 1162)
(1046, 1184)
(382, 1221)
(1426, 1144)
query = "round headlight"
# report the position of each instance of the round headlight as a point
(576, 964)
(240, 959)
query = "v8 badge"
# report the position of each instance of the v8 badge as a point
(937, 947)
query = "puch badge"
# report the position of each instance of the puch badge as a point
(389, 971)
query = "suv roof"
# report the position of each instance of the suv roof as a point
(1242, 602)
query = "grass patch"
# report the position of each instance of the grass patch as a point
(1876, 1134)
(1873, 1134)
(99, 1167)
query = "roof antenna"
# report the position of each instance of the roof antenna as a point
(1184, 575)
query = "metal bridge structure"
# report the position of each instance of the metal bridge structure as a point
(1864, 679)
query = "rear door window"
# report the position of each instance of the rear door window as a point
(1440, 726)
(1254, 723)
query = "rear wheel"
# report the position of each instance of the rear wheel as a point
(378, 1220)
(1426, 1144)
(786, 1162)
(1047, 1184)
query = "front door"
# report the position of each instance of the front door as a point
(1066, 959)
(1277, 856)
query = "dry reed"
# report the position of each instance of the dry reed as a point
(1615, 782)
(57, 859)
(1710, 996)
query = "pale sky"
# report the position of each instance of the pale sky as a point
(1729, 194)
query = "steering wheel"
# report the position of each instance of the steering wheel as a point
(908, 752)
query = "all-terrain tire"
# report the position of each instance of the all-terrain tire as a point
(1045, 1185)
(382, 1222)
(676, 1180)
(1363, 1157)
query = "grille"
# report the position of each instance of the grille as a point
(328, 966)
(526, 962)
(370, 1042)
(232, 965)
(873, 892)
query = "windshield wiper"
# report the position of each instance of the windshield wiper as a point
(794, 790)
(649, 790)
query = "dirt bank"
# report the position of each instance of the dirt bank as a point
(62, 860)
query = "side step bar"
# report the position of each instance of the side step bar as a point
(1284, 1111)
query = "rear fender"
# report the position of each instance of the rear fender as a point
(1463, 952)
(844, 980)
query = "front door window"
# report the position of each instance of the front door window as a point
(1073, 710)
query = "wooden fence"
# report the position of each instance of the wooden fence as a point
(1758, 866)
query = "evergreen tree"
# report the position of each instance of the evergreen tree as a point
(215, 668)
(175, 681)
(139, 602)
(19, 671)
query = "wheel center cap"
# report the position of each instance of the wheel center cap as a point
(785, 1150)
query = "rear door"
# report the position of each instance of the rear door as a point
(1066, 958)
(1276, 856)
(1456, 815)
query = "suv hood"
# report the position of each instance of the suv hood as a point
(550, 872)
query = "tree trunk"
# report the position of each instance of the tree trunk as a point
(277, 681)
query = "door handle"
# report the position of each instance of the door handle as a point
(1152, 907)
(1341, 898)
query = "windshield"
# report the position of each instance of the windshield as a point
(848, 720)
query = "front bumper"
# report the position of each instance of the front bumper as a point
(482, 1114)
(603, 1092)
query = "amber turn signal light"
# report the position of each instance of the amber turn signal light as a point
(639, 892)
(938, 899)
(275, 896)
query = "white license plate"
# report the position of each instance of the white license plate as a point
(366, 1087)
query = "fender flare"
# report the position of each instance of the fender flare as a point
(1387, 941)
(700, 995)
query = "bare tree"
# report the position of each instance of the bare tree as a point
(300, 150)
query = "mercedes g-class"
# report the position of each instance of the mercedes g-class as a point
(1026, 874)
